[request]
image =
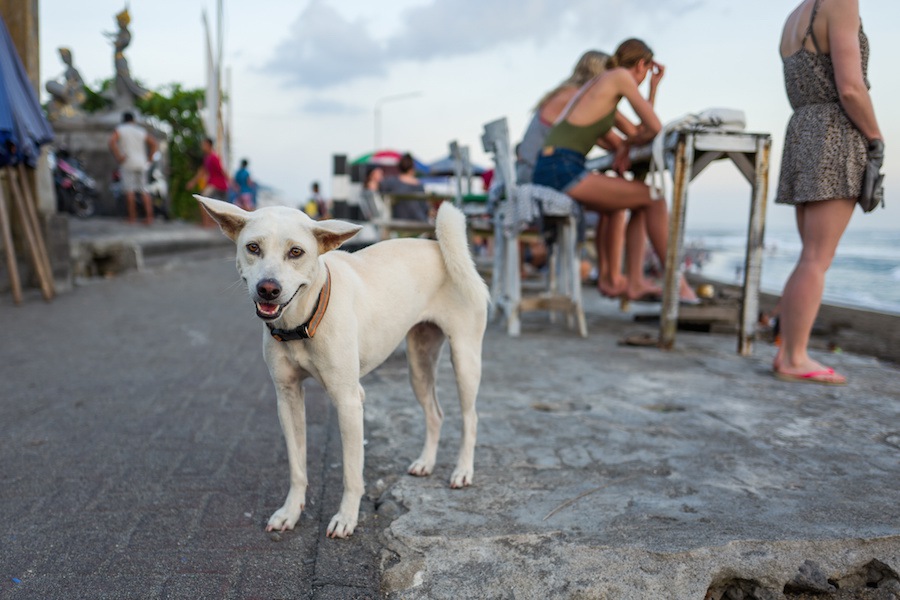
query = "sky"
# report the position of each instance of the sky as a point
(306, 76)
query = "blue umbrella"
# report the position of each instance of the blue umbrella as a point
(444, 166)
(22, 122)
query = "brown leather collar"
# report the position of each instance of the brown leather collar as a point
(308, 329)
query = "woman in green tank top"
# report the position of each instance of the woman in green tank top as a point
(590, 118)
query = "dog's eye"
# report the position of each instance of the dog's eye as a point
(252, 248)
(296, 252)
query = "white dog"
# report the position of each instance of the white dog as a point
(335, 316)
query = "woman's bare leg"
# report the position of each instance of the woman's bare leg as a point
(601, 193)
(821, 225)
(610, 241)
(657, 217)
(635, 242)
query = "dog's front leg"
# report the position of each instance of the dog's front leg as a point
(292, 415)
(348, 402)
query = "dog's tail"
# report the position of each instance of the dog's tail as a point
(450, 227)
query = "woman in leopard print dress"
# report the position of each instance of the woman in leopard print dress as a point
(825, 54)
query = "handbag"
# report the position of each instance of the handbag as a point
(872, 188)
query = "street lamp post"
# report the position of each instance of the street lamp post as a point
(385, 100)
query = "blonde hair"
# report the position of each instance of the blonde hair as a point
(629, 53)
(591, 64)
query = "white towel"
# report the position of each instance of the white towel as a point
(718, 119)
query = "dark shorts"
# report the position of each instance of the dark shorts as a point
(559, 168)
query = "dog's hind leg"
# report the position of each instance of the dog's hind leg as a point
(423, 351)
(465, 352)
(292, 415)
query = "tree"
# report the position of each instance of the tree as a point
(179, 109)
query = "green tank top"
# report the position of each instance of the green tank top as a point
(580, 138)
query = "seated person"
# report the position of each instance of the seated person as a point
(406, 183)
(370, 202)
(591, 116)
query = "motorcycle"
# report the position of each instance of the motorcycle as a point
(76, 191)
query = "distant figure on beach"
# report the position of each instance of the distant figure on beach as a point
(591, 116)
(829, 137)
(245, 187)
(316, 207)
(132, 146)
(406, 183)
(213, 176)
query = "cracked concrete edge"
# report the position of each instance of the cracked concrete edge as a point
(545, 565)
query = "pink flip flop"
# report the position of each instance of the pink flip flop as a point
(822, 377)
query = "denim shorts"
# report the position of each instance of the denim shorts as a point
(559, 168)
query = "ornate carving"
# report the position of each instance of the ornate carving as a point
(67, 95)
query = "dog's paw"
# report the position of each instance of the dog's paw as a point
(341, 526)
(461, 478)
(284, 518)
(420, 468)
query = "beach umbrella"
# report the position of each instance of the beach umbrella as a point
(444, 166)
(387, 158)
(22, 122)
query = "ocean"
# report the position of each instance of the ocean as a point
(865, 272)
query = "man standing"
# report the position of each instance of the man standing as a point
(132, 146)
(212, 173)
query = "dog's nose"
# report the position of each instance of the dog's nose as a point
(268, 289)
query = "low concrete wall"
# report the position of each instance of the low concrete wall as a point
(840, 327)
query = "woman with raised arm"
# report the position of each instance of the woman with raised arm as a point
(829, 138)
(590, 117)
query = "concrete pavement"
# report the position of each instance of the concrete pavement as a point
(141, 455)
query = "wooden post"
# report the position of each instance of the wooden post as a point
(11, 265)
(31, 211)
(755, 244)
(44, 277)
(684, 164)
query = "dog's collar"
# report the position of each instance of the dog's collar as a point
(308, 329)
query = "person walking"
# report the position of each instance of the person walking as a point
(132, 146)
(829, 138)
(213, 174)
(245, 187)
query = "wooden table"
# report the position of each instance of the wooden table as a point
(687, 153)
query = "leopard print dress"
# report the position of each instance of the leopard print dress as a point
(824, 153)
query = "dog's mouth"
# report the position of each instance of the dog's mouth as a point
(268, 311)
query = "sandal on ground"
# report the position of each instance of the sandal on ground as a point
(821, 376)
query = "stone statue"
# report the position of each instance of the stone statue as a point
(67, 96)
(126, 90)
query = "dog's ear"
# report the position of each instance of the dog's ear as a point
(331, 233)
(229, 217)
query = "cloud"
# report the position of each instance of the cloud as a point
(325, 106)
(449, 28)
(325, 49)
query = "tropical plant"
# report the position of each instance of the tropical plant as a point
(179, 109)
